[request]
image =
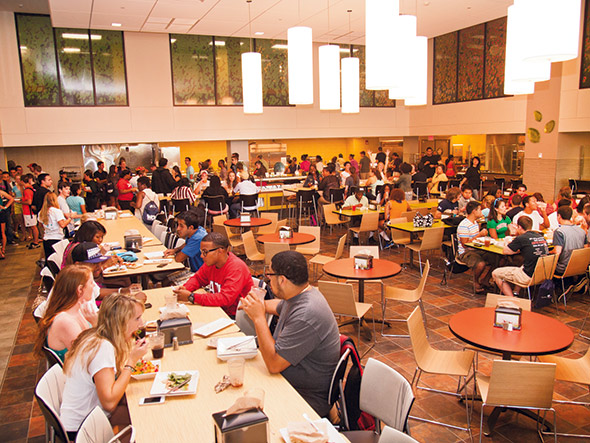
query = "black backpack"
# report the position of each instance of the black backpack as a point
(150, 212)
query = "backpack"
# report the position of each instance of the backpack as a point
(150, 211)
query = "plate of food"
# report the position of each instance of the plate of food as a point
(145, 369)
(134, 265)
(175, 383)
(115, 269)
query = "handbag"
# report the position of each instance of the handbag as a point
(423, 221)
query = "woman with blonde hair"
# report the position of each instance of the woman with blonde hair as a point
(69, 311)
(54, 221)
(98, 366)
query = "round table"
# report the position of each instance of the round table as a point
(253, 223)
(344, 268)
(298, 238)
(539, 335)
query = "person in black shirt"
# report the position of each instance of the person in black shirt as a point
(45, 183)
(92, 194)
(101, 176)
(381, 157)
(429, 161)
(473, 177)
(162, 180)
(516, 206)
(449, 203)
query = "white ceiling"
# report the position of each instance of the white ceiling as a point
(273, 17)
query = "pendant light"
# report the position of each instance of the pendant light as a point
(418, 70)
(404, 31)
(300, 65)
(350, 73)
(251, 76)
(329, 67)
(379, 15)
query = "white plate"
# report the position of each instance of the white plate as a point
(159, 385)
(217, 325)
(247, 350)
(333, 435)
(156, 363)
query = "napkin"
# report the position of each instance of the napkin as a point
(181, 311)
(244, 404)
(304, 432)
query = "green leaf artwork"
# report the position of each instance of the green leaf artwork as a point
(538, 116)
(549, 126)
(534, 135)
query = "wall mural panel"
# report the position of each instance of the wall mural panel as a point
(228, 69)
(495, 56)
(585, 69)
(75, 71)
(445, 68)
(108, 61)
(471, 64)
(275, 86)
(192, 69)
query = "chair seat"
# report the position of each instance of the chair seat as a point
(574, 370)
(361, 436)
(321, 259)
(455, 363)
(258, 256)
(362, 308)
(339, 222)
(307, 251)
(402, 241)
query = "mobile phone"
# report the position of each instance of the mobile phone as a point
(152, 400)
(161, 265)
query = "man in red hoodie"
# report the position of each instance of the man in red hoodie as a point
(224, 276)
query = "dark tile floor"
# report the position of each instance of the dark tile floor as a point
(21, 419)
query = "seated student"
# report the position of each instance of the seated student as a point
(356, 199)
(465, 197)
(531, 245)
(225, 276)
(191, 229)
(520, 191)
(439, 176)
(516, 206)
(449, 203)
(534, 212)
(69, 312)
(498, 222)
(566, 238)
(479, 261)
(245, 187)
(486, 205)
(553, 223)
(305, 346)
(98, 366)
(396, 205)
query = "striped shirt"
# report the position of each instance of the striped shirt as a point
(183, 193)
(468, 230)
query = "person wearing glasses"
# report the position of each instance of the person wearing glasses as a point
(224, 277)
(305, 346)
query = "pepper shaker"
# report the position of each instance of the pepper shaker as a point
(175, 343)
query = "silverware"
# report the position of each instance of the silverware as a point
(176, 388)
(237, 345)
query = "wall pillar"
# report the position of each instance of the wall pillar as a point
(241, 147)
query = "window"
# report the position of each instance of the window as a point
(192, 69)
(585, 69)
(369, 98)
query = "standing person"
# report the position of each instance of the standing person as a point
(6, 201)
(429, 162)
(534, 212)
(450, 166)
(305, 346)
(473, 176)
(319, 163)
(353, 162)
(531, 245)
(54, 221)
(235, 159)
(222, 169)
(29, 216)
(112, 181)
(381, 156)
(92, 191)
(190, 227)
(122, 165)
(101, 176)
(75, 201)
(294, 165)
(98, 367)
(162, 180)
(498, 222)
(305, 163)
(365, 165)
(62, 200)
(144, 196)
(125, 190)
(190, 171)
(264, 163)
(225, 275)
(139, 172)
(45, 183)
(17, 214)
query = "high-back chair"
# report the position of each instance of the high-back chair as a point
(158, 230)
(369, 223)
(408, 296)
(433, 361)
(96, 428)
(51, 356)
(340, 297)
(214, 205)
(270, 250)
(250, 247)
(493, 299)
(321, 260)
(386, 395)
(523, 385)
(48, 393)
(577, 265)
(180, 205)
(219, 219)
(306, 204)
(269, 229)
(280, 223)
(400, 238)
(544, 270)
(431, 241)
(313, 247)
(250, 201)
(336, 195)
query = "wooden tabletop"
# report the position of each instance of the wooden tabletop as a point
(344, 268)
(298, 238)
(409, 226)
(147, 268)
(253, 223)
(188, 418)
(415, 204)
(540, 335)
(116, 230)
(492, 248)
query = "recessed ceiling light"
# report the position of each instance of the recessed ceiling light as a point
(117, 25)
(259, 33)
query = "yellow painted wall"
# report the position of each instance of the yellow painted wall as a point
(477, 143)
(199, 151)
(327, 147)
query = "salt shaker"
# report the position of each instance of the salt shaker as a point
(175, 343)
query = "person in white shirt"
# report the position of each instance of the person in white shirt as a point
(54, 221)
(100, 362)
(245, 187)
(64, 192)
(345, 173)
(144, 196)
(536, 214)
(357, 198)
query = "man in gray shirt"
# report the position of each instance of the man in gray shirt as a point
(566, 238)
(305, 346)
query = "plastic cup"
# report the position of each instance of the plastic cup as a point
(171, 301)
(487, 242)
(156, 342)
(258, 292)
(235, 367)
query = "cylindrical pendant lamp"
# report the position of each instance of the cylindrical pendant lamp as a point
(379, 16)
(329, 56)
(300, 53)
(350, 85)
(418, 85)
(404, 31)
(252, 82)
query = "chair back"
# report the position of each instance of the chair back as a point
(578, 264)
(52, 358)
(515, 183)
(271, 249)
(249, 200)
(314, 246)
(157, 230)
(544, 269)
(242, 320)
(419, 291)
(215, 203)
(454, 183)
(420, 346)
(155, 224)
(340, 297)
(282, 222)
(420, 189)
(369, 222)
(220, 229)
(432, 238)
(336, 195)
(250, 245)
(331, 218)
(390, 435)
(340, 247)
(386, 394)
(373, 250)
(59, 249)
(442, 186)
(337, 377)
(95, 428)
(493, 299)
(306, 196)
(397, 235)
(48, 393)
(180, 205)
(534, 381)
(219, 219)
(53, 263)
(409, 215)
(272, 228)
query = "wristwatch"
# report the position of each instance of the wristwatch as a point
(191, 298)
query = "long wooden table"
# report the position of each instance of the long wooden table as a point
(116, 230)
(188, 418)
(146, 269)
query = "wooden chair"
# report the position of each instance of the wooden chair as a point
(313, 247)
(97, 428)
(518, 384)
(369, 222)
(270, 250)
(577, 265)
(332, 219)
(400, 238)
(219, 219)
(432, 241)
(321, 260)
(374, 251)
(433, 361)
(340, 297)
(252, 252)
(409, 215)
(544, 270)
(272, 228)
(493, 299)
(405, 295)
(283, 222)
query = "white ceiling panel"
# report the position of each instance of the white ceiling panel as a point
(70, 5)
(128, 23)
(123, 7)
(154, 27)
(181, 9)
(67, 19)
(160, 20)
(178, 29)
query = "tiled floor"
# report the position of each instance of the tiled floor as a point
(21, 420)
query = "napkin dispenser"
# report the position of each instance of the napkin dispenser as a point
(111, 213)
(245, 217)
(182, 328)
(133, 240)
(247, 427)
(285, 232)
(363, 261)
(508, 317)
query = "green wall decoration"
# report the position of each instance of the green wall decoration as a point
(192, 69)
(108, 56)
(275, 86)
(534, 135)
(228, 69)
(549, 126)
(538, 116)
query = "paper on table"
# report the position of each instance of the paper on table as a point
(125, 215)
(157, 261)
(146, 239)
(152, 255)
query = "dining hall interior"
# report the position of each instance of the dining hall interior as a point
(428, 160)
